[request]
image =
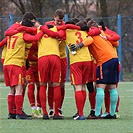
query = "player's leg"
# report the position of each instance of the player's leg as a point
(43, 71)
(11, 104)
(114, 77)
(39, 113)
(50, 99)
(92, 97)
(62, 84)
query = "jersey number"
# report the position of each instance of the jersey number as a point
(14, 42)
(79, 36)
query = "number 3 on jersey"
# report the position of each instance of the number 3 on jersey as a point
(12, 41)
(79, 36)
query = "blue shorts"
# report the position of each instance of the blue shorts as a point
(108, 72)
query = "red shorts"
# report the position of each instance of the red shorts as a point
(24, 70)
(14, 75)
(80, 73)
(32, 75)
(63, 69)
(49, 68)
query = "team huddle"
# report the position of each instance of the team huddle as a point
(34, 56)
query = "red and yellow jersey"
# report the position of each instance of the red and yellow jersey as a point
(62, 46)
(62, 49)
(15, 54)
(53, 23)
(101, 49)
(12, 29)
(76, 37)
(48, 45)
(4, 52)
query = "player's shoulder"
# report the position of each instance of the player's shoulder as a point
(50, 22)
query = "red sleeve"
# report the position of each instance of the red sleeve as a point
(60, 34)
(32, 38)
(50, 22)
(68, 26)
(93, 31)
(3, 42)
(12, 29)
(29, 30)
(49, 32)
(113, 35)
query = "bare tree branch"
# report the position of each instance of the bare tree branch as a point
(19, 6)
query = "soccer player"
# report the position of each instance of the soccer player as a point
(112, 36)
(48, 55)
(58, 20)
(33, 79)
(11, 31)
(14, 74)
(80, 67)
(106, 73)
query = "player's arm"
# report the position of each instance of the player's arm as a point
(30, 30)
(94, 31)
(12, 29)
(72, 26)
(114, 43)
(113, 35)
(59, 34)
(86, 42)
(32, 38)
(68, 26)
(3, 42)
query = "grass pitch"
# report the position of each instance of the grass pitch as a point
(122, 125)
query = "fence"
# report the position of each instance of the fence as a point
(123, 25)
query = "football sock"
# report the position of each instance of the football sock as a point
(11, 104)
(107, 100)
(57, 98)
(92, 99)
(43, 98)
(84, 96)
(113, 101)
(31, 96)
(19, 103)
(99, 100)
(62, 96)
(50, 97)
(117, 105)
(38, 97)
(79, 102)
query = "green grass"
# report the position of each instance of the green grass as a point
(122, 125)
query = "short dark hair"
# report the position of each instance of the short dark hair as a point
(81, 23)
(87, 19)
(60, 13)
(72, 21)
(27, 22)
(92, 23)
(28, 15)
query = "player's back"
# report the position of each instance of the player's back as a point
(48, 45)
(102, 50)
(77, 36)
(15, 53)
